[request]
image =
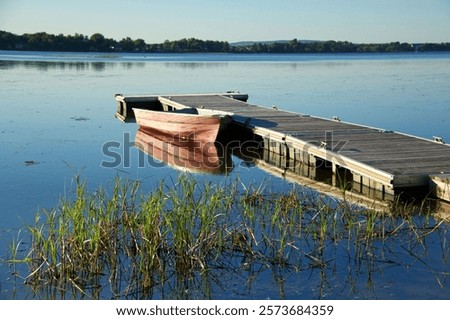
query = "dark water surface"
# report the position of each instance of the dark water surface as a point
(58, 114)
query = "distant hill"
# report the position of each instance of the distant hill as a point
(268, 42)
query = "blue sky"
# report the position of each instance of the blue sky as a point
(234, 20)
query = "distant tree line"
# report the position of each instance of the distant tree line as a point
(42, 41)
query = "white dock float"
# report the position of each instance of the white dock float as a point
(440, 186)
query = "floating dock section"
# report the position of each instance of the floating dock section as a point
(376, 162)
(125, 103)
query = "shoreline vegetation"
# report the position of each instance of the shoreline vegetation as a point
(188, 239)
(43, 41)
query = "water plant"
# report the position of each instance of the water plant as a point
(186, 237)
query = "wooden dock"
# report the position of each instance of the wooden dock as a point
(374, 161)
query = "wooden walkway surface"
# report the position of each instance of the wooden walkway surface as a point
(393, 159)
(378, 159)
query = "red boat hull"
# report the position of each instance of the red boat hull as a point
(197, 127)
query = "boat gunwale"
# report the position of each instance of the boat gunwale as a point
(204, 114)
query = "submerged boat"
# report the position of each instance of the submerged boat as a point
(187, 123)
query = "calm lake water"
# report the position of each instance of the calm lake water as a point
(58, 113)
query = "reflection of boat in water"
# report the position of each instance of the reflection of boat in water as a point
(186, 123)
(189, 155)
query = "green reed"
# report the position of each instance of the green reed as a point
(120, 242)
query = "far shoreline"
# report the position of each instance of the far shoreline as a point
(43, 41)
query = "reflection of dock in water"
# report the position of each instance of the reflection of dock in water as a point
(182, 154)
(337, 186)
(317, 179)
(371, 161)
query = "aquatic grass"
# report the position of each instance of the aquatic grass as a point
(121, 243)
